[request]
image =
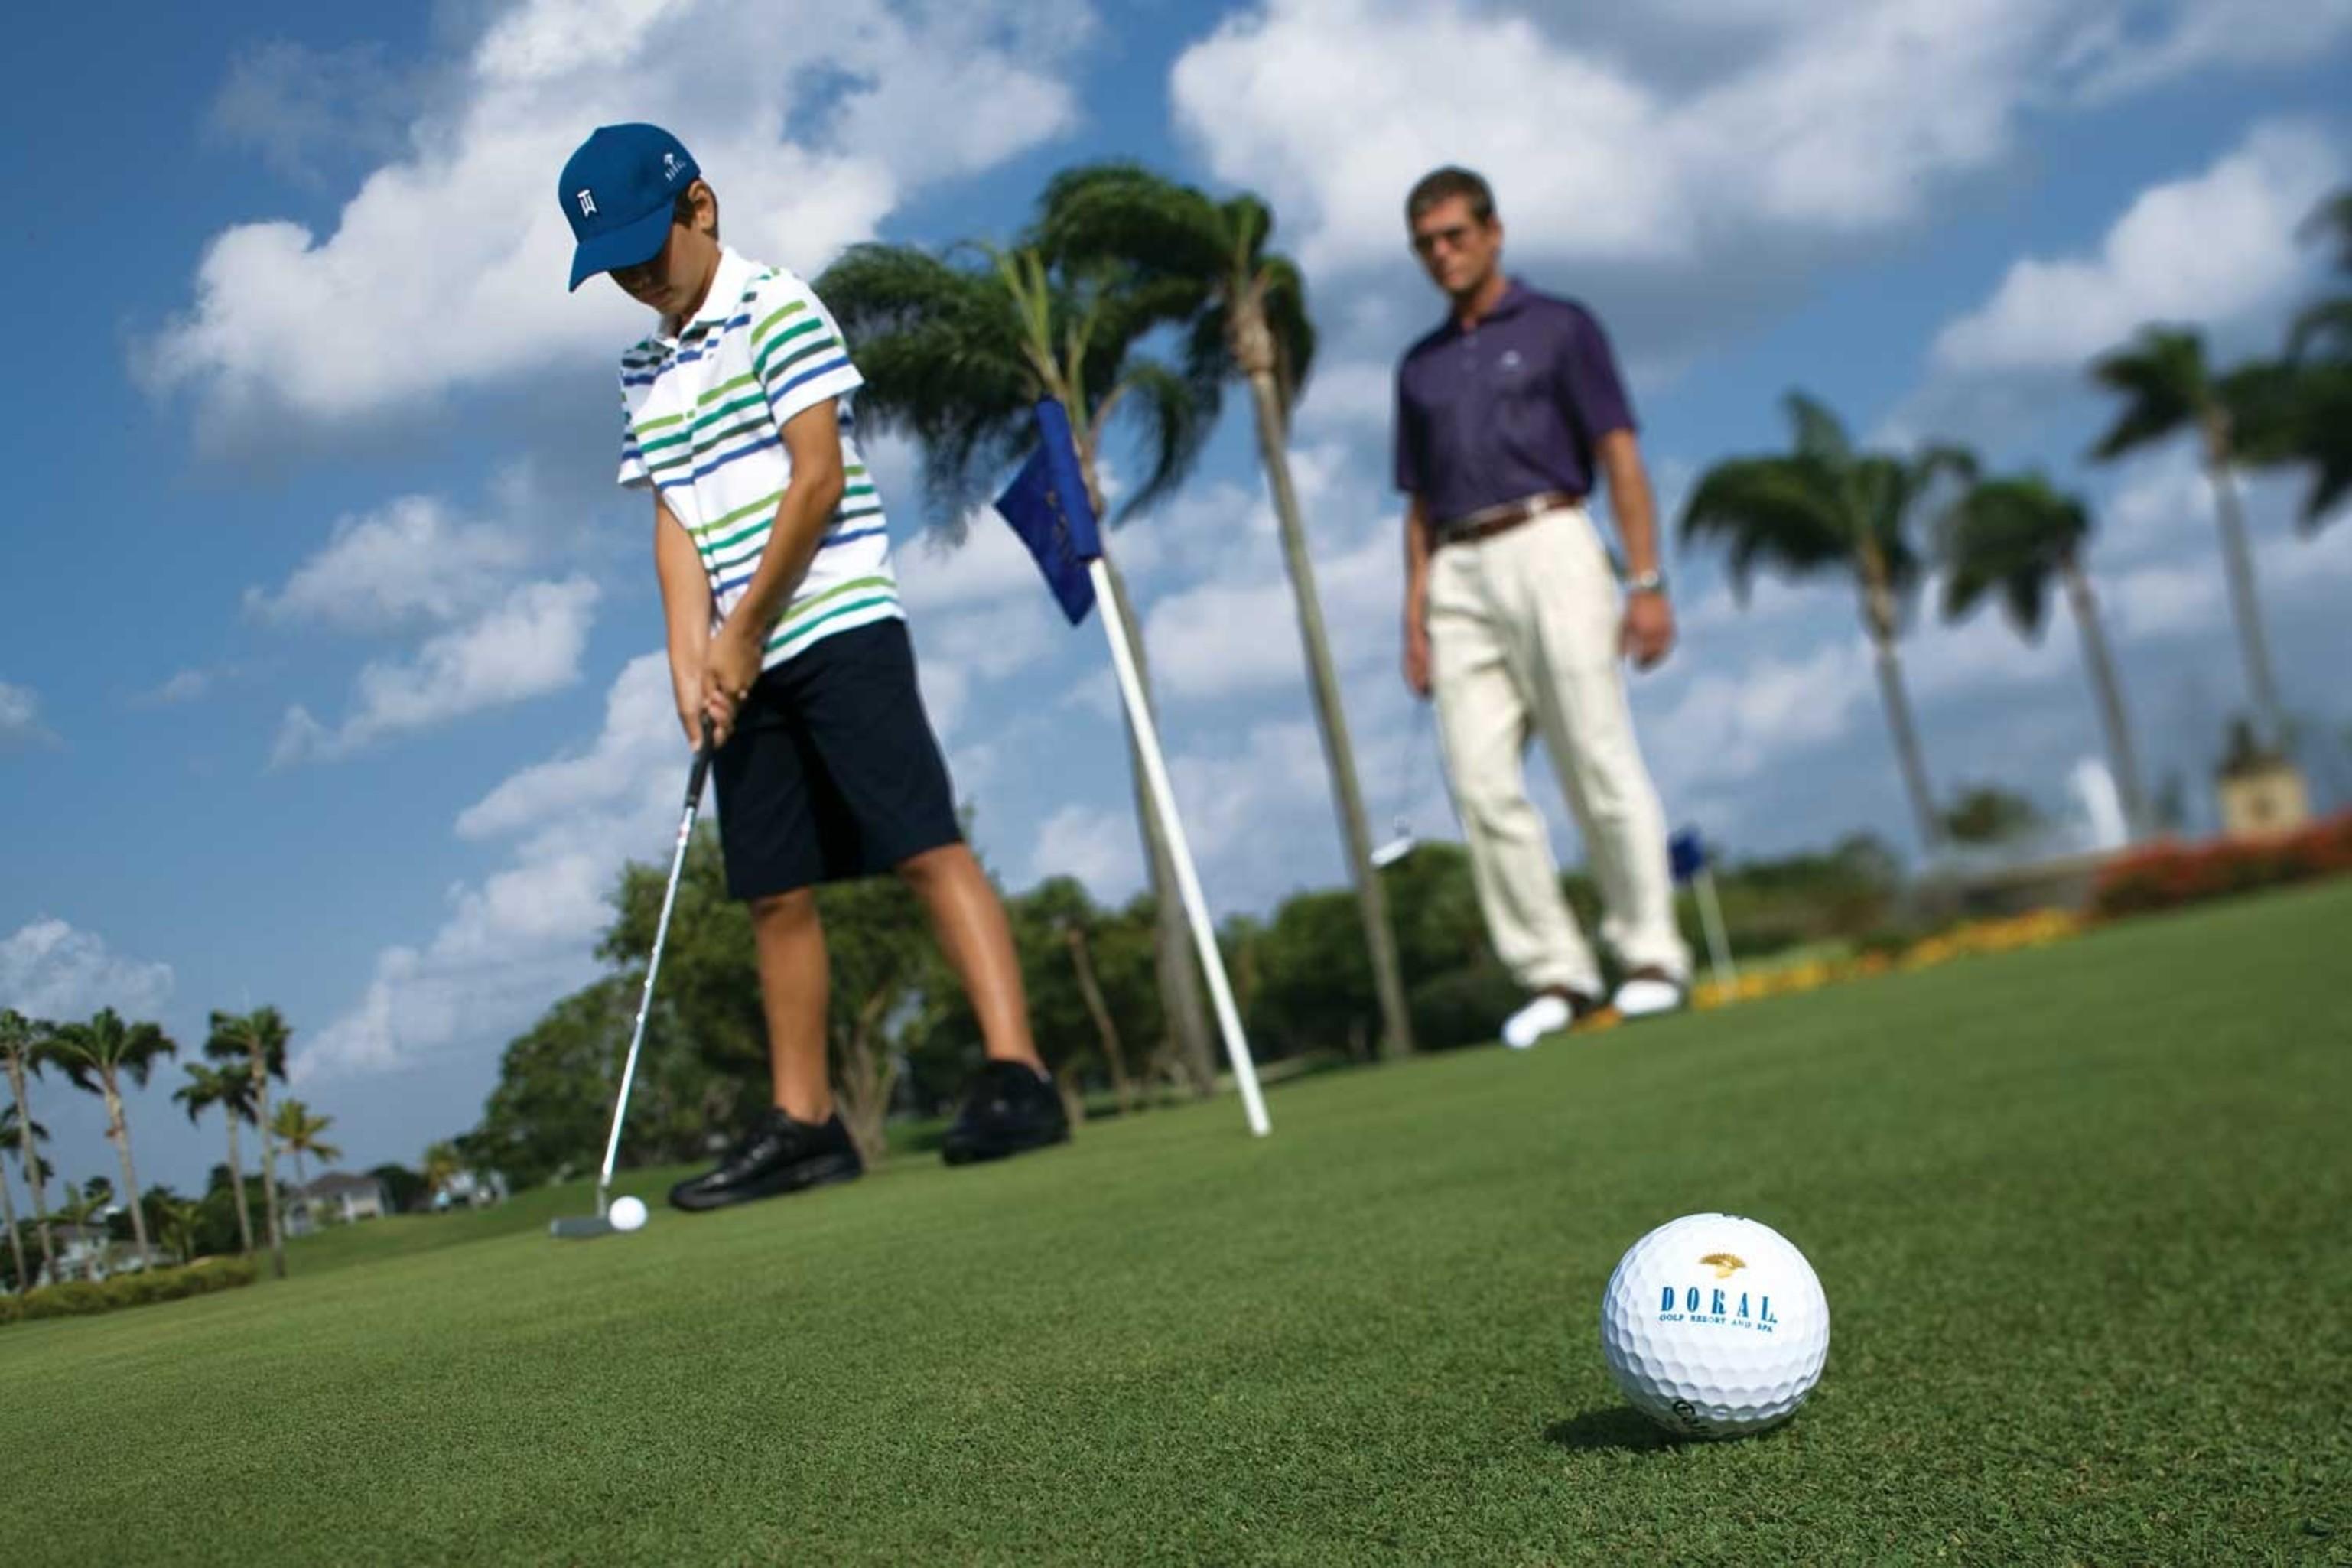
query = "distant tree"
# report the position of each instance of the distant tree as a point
(1825, 507)
(97, 1056)
(1986, 814)
(231, 1089)
(406, 1188)
(22, 1043)
(259, 1039)
(301, 1131)
(2166, 390)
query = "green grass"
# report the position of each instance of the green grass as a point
(2080, 1213)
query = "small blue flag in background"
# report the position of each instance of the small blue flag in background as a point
(1688, 853)
(1047, 506)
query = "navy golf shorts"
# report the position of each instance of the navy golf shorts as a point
(833, 772)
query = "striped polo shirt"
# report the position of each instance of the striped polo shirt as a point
(702, 421)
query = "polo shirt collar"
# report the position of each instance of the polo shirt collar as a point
(728, 281)
(1510, 302)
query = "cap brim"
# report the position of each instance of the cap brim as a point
(628, 246)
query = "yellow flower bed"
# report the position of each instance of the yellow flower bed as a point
(2039, 929)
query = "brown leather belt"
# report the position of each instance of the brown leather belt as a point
(1488, 522)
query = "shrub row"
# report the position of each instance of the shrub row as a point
(2168, 876)
(81, 1297)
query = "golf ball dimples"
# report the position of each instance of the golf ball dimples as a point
(628, 1213)
(1714, 1326)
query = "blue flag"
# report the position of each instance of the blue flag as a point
(1047, 506)
(1688, 853)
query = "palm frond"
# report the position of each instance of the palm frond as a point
(1123, 211)
(1175, 419)
(2332, 219)
(1281, 290)
(2161, 378)
(1820, 433)
(1784, 513)
(2014, 535)
(2322, 330)
(939, 348)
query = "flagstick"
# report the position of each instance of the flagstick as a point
(1163, 802)
(1710, 913)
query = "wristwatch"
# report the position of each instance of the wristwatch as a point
(1650, 581)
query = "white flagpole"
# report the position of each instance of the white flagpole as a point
(1711, 914)
(1163, 802)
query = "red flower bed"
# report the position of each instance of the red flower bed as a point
(2166, 876)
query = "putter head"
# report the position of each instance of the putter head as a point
(580, 1227)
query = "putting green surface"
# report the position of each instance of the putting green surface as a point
(2080, 1213)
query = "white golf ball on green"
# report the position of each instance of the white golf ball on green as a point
(627, 1213)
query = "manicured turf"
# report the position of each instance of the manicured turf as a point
(2080, 1213)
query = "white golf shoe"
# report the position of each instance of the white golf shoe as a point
(1547, 1014)
(1648, 996)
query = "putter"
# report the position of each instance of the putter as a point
(1404, 843)
(584, 1227)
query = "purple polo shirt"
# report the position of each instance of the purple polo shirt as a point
(1510, 407)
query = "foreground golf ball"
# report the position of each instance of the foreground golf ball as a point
(628, 1213)
(1714, 1326)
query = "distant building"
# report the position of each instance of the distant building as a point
(470, 1189)
(336, 1198)
(84, 1252)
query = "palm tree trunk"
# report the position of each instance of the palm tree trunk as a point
(118, 1128)
(1331, 719)
(269, 1161)
(2245, 608)
(1179, 974)
(236, 1183)
(2109, 691)
(1105, 1027)
(15, 1241)
(1878, 616)
(28, 1159)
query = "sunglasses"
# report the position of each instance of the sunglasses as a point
(1427, 241)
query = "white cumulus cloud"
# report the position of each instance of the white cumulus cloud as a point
(526, 647)
(446, 267)
(50, 969)
(2207, 248)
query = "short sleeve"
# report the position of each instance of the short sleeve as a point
(796, 349)
(1588, 371)
(634, 476)
(1408, 437)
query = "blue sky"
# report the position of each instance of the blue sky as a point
(324, 639)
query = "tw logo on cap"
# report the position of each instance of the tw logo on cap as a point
(587, 200)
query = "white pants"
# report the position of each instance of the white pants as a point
(1523, 631)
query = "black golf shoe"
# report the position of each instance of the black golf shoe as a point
(1012, 1109)
(777, 1156)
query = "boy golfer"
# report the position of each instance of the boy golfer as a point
(786, 638)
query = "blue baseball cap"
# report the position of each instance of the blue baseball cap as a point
(618, 191)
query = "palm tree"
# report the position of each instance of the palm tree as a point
(2166, 388)
(176, 1220)
(231, 1089)
(299, 1132)
(21, 1047)
(1823, 507)
(441, 1163)
(80, 1210)
(2016, 537)
(956, 350)
(21, 1135)
(1242, 311)
(257, 1040)
(98, 1056)
(16, 1133)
